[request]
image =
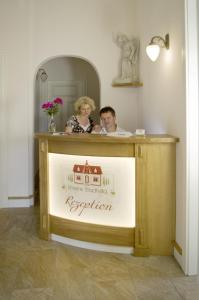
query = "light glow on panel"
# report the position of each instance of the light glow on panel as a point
(97, 190)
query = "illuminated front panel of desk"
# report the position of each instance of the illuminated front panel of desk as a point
(112, 191)
(90, 189)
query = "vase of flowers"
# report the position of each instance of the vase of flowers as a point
(51, 108)
(51, 124)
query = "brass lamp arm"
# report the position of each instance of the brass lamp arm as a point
(160, 41)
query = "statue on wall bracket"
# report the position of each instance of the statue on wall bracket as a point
(129, 59)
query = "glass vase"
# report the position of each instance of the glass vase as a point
(51, 124)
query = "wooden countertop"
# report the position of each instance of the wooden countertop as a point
(97, 138)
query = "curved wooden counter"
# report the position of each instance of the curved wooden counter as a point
(154, 155)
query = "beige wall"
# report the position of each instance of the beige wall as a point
(162, 106)
(33, 31)
(85, 29)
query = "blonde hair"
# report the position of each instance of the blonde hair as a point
(84, 100)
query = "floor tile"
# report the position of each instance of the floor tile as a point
(34, 269)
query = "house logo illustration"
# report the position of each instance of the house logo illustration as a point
(87, 174)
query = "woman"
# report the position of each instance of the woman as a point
(81, 122)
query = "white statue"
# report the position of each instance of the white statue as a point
(129, 59)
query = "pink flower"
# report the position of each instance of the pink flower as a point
(52, 107)
(50, 104)
(58, 101)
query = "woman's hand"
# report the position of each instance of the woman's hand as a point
(68, 129)
(96, 129)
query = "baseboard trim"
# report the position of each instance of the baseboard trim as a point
(20, 201)
(20, 197)
(92, 246)
(177, 247)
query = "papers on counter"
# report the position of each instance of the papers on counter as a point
(120, 134)
(112, 134)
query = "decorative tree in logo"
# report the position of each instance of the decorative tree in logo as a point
(105, 181)
(70, 177)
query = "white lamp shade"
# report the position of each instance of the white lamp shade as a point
(153, 52)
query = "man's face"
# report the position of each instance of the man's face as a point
(108, 120)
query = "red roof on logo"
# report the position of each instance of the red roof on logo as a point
(86, 169)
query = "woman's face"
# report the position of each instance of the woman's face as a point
(85, 110)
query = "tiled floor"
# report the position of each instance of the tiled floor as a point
(33, 269)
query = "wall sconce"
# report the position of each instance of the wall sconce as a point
(42, 75)
(153, 49)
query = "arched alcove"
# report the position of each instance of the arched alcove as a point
(66, 77)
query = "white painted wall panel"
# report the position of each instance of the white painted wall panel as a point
(31, 32)
(162, 103)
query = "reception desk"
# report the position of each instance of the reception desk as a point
(109, 190)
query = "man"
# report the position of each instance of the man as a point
(108, 122)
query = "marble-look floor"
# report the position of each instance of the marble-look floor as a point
(33, 269)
